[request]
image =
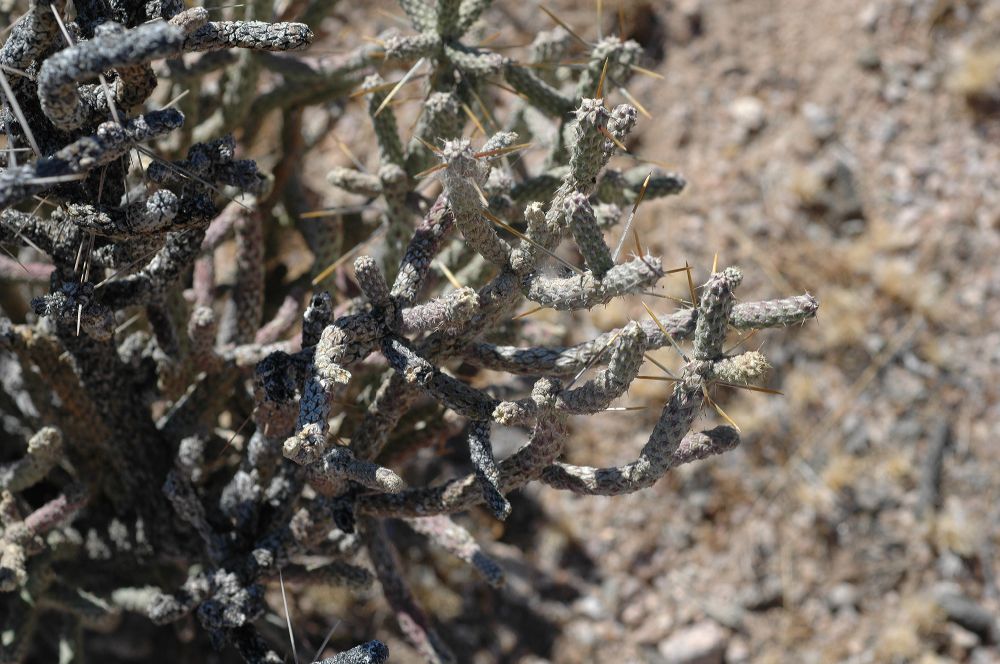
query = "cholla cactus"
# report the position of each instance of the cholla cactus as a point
(140, 491)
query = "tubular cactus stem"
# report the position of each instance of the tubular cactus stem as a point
(588, 235)
(110, 142)
(587, 291)
(680, 325)
(487, 472)
(714, 309)
(464, 176)
(44, 450)
(111, 47)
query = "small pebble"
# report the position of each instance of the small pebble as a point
(701, 643)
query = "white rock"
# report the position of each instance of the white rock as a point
(843, 596)
(738, 651)
(748, 113)
(701, 643)
(822, 124)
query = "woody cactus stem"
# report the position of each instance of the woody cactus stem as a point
(173, 444)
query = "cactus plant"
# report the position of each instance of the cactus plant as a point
(139, 490)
